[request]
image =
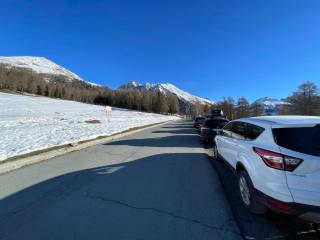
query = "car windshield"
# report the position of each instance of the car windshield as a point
(199, 119)
(303, 139)
(216, 123)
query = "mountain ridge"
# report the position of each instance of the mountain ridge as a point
(42, 66)
(166, 88)
(270, 106)
(37, 64)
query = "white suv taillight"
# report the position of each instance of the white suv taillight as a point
(278, 160)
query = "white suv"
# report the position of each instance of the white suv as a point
(277, 161)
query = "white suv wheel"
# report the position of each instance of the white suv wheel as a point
(215, 151)
(247, 194)
(244, 191)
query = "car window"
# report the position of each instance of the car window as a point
(200, 119)
(252, 131)
(238, 130)
(242, 131)
(303, 139)
(226, 131)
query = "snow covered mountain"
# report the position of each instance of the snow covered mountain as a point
(38, 65)
(166, 88)
(270, 106)
(42, 66)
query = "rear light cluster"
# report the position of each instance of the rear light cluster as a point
(279, 205)
(278, 160)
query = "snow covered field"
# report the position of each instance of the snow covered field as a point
(31, 123)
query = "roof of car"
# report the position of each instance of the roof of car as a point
(284, 120)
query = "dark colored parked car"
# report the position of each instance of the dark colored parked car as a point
(201, 123)
(198, 121)
(211, 127)
(216, 113)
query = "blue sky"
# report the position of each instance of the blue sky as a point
(210, 48)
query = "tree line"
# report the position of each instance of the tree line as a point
(304, 101)
(147, 101)
(27, 81)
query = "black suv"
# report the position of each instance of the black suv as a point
(198, 121)
(211, 127)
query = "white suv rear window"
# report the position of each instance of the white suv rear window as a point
(304, 139)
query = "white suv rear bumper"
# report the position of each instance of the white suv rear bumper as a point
(306, 197)
(304, 211)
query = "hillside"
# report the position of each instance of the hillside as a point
(38, 75)
(41, 66)
(167, 88)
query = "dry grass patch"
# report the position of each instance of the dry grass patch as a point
(93, 121)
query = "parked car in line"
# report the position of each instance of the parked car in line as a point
(211, 127)
(277, 161)
(198, 121)
(217, 113)
(201, 125)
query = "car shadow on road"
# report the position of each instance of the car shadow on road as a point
(175, 136)
(177, 126)
(190, 141)
(139, 199)
(184, 125)
(184, 131)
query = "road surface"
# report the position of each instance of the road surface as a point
(155, 184)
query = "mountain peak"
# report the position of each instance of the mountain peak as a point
(270, 101)
(133, 84)
(37, 64)
(270, 106)
(166, 88)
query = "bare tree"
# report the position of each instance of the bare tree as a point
(255, 110)
(242, 108)
(305, 101)
(227, 106)
(173, 104)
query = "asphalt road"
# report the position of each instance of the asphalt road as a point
(156, 184)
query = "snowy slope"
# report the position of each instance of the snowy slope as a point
(270, 106)
(167, 88)
(33, 123)
(38, 65)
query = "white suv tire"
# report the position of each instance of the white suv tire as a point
(215, 153)
(247, 195)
